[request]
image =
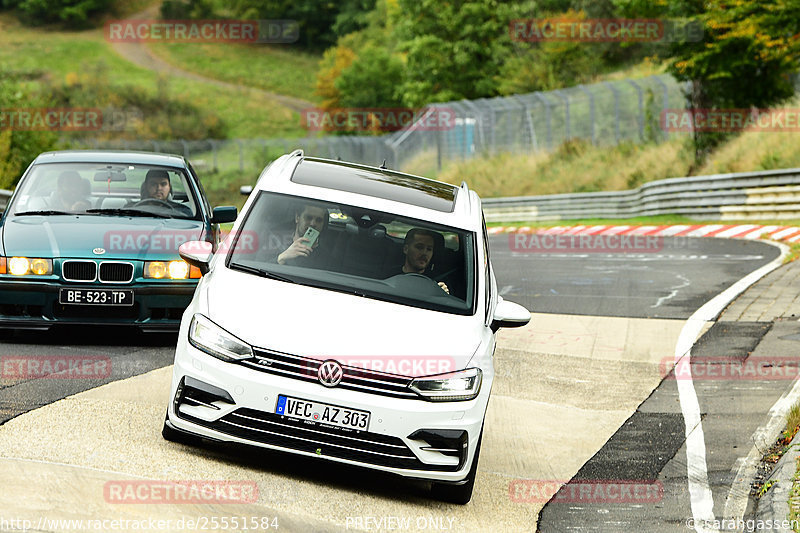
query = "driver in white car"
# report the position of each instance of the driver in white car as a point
(418, 250)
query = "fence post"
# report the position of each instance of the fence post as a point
(214, 152)
(641, 108)
(615, 92)
(591, 111)
(478, 125)
(527, 114)
(548, 117)
(439, 134)
(564, 97)
(492, 128)
(241, 154)
(664, 104)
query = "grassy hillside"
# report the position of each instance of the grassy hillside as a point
(56, 57)
(275, 68)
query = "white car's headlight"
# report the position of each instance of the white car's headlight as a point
(450, 387)
(212, 339)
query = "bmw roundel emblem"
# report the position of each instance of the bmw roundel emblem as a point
(330, 373)
(99, 251)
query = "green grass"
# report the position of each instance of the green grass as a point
(576, 166)
(60, 56)
(223, 188)
(274, 68)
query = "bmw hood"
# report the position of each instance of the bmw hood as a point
(353, 330)
(77, 236)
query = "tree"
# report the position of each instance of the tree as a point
(747, 57)
(453, 49)
(73, 13)
(17, 146)
(372, 80)
(320, 21)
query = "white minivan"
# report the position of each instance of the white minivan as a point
(350, 316)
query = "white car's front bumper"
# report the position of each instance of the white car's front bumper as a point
(248, 416)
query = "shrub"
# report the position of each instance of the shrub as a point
(73, 13)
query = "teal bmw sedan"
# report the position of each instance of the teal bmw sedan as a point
(92, 237)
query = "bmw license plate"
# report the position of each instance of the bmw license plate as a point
(95, 297)
(322, 413)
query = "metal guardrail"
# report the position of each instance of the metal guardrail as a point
(771, 194)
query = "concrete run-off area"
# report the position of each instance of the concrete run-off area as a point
(558, 397)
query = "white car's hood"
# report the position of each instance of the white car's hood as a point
(354, 330)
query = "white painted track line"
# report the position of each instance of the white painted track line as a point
(702, 502)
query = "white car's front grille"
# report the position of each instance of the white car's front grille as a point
(354, 378)
(360, 446)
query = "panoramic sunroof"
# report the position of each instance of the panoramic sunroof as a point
(378, 183)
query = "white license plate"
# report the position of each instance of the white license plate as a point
(322, 413)
(95, 297)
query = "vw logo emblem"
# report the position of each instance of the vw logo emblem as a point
(330, 373)
(98, 251)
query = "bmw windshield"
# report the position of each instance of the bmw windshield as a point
(105, 189)
(356, 250)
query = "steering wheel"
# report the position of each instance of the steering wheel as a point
(440, 277)
(423, 276)
(154, 201)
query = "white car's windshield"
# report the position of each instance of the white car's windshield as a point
(105, 189)
(357, 250)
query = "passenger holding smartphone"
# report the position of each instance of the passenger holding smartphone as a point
(309, 224)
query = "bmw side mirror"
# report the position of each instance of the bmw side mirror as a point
(197, 253)
(509, 315)
(223, 214)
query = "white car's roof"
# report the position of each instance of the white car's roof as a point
(373, 188)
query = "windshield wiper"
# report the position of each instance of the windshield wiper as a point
(44, 212)
(126, 212)
(261, 272)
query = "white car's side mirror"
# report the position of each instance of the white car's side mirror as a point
(509, 315)
(197, 253)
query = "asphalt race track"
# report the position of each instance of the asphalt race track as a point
(580, 395)
(670, 280)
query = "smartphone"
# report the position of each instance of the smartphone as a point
(311, 234)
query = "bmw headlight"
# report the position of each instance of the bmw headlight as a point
(450, 387)
(178, 269)
(212, 339)
(26, 266)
